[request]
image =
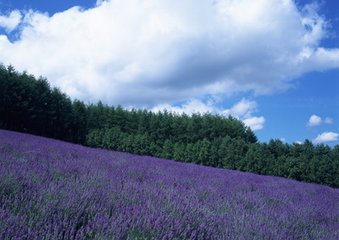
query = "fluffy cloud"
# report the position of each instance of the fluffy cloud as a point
(243, 110)
(255, 123)
(326, 137)
(142, 53)
(11, 21)
(316, 120)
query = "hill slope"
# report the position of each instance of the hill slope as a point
(55, 190)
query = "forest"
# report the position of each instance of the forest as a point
(29, 104)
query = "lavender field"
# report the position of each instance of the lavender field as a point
(55, 190)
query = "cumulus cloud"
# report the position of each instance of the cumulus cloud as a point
(326, 137)
(255, 123)
(315, 120)
(142, 53)
(11, 21)
(242, 110)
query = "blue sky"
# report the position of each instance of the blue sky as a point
(273, 64)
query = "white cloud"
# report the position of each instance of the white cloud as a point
(326, 137)
(11, 21)
(255, 123)
(243, 110)
(314, 121)
(190, 107)
(142, 53)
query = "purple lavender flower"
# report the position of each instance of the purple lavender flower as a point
(55, 190)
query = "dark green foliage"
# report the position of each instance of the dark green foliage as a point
(30, 105)
(258, 159)
(231, 152)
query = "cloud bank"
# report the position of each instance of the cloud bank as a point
(144, 53)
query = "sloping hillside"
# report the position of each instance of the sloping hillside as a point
(55, 190)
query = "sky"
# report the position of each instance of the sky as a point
(273, 64)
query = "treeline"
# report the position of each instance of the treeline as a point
(30, 105)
